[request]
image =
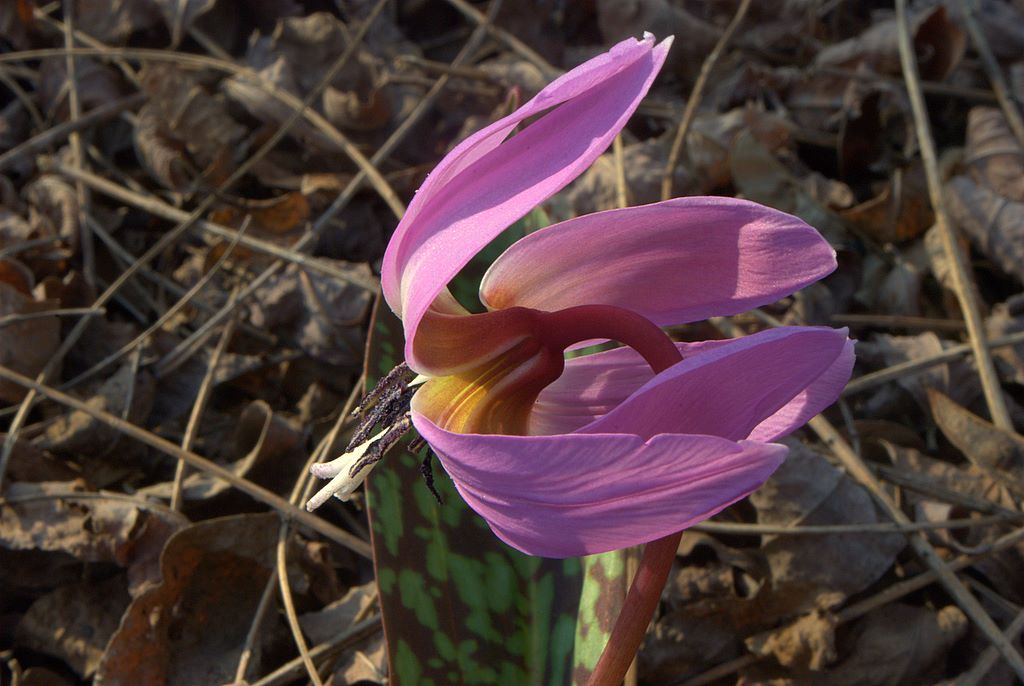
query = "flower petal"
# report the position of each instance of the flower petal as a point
(579, 494)
(690, 258)
(489, 181)
(730, 390)
(593, 385)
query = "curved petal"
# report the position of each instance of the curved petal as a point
(691, 258)
(822, 392)
(579, 494)
(489, 181)
(593, 385)
(731, 389)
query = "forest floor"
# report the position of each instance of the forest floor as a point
(195, 197)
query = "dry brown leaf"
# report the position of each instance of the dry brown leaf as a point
(98, 84)
(324, 624)
(30, 464)
(939, 42)
(294, 58)
(806, 644)
(276, 216)
(53, 206)
(53, 518)
(993, 154)
(182, 116)
(16, 275)
(319, 315)
(1001, 23)
(190, 628)
(899, 212)
(992, 221)
(73, 623)
(983, 443)
(26, 346)
(817, 572)
(898, 645)
(267, 449)
(82, 434)
(349, 110)
(957, 379)
(114, 22)
(1007, 318)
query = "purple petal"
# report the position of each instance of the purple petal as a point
(690, 258)
(731, 389)
(488, 182)
(593, 385)
(579, 494)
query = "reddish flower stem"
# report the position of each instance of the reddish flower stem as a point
(582, 323)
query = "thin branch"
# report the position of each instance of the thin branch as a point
(994, 72)
(251, 489)
(696, 95)
(56, 134)
(911, 367)
(967, 602)
(959, 273)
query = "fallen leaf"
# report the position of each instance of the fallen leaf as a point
(191, 627)
(266, 447)
(324, 624)
(899, 212)
(983, 443)
(991, 220)
(99, 527)
(957, 378)
(806, 644)
(114, 22)
(899, 645)
(73, 623)
(321, 316)
(26, 345)
(816, 572)
(993, 154)
(31, 464)
(128, 393)
(183, 124)
(1005, 319)
(938, 41)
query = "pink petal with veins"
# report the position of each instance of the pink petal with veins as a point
(593, 385)
(579, 494)
(730, 390)
(673, 262)
(490, 181)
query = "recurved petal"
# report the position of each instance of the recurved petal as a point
(673, 262)
(593, 385)
(579, 494)
(489, 181)
(730, 390)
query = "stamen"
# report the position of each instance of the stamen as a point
(376, 450)
(427, 470)
(396, 378)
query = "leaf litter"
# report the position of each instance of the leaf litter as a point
(806, 111)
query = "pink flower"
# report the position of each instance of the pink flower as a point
(580, 456)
